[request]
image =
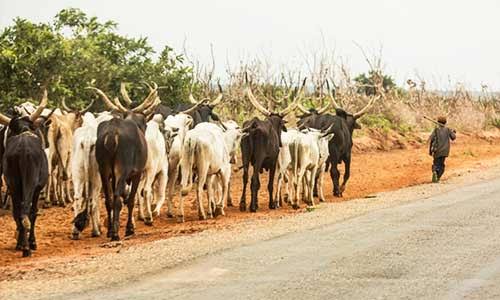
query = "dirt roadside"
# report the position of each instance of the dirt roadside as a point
(60, 257)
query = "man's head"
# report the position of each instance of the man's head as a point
(441, 120)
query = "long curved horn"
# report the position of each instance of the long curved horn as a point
(330, 95)
(86, 109)
(119, 104)
(148, 85)
(295, 102)
(41, 107)
(147, 101)
(324, 109)
(104, 98)
(217, 100)
(64, 105)
(151, 109)
(192, 99)
(302, 108)
(256, 103)
(191, 109)
(4, 120)
(360, 113)
(123, 91)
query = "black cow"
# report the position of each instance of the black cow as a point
(121, 154)
(260, 147)
(25, 168)
(340, 147)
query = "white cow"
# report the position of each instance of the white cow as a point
(154, 180)
(284, 164)
(180, 123)
(205, 153)
(306, 159)
(85, 172)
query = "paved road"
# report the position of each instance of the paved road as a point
(445, 247)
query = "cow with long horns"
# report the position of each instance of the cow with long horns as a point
(342, 125)
(121, 154)
(261, 147)
(25, 170)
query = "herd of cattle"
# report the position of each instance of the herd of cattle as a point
(144, 151)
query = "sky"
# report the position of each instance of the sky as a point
(441, 41)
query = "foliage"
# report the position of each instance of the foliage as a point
(367, 84)
(75, 51)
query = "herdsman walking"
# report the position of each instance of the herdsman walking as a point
(440, 147)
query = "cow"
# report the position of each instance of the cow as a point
(25, 169)
(342, 125)
(121, 154)
(85, 174)
(204, 109)
(261, 147)
(308, 151)
(205, 152)
(60, 139)
(284, 164)
(154, 182)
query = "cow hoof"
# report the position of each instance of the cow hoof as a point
(253, 209)
(115, 237)
(286, 198)
(295, 206)
(156, 213)
(170, 215)
(75, 236)
(128, 232)
(62, 204)
(229, 204)
(19, 247)
(95, 234)
(243, 206)
(46, 205)
(219, 212)
(33, 246)
(180, 219)
(272, 205)
(26, 252)
(140, 218)
(321, 200)
(201, 217)
(108, 235)
(148, 222)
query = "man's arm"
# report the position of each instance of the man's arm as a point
(432, 141)
(453, 134)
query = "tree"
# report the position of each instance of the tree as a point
(367, 84)
(75, 51)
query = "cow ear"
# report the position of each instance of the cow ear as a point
(357, 126)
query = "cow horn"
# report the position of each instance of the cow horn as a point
(192, 99)
(256, 103)
(330, 95)
(192, 108)
(217, 100)
(324, 109)
(149, 100)
(4, 120)
(148, 85)
(86, 109)
(302, 108)
(104, 98)
(41, 107)
(123, 91)
(119, 104)
(64, 105)
(151, 109)
(360, 113)
(298, 95)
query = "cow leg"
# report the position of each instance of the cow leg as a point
(48, 187)
(243, 204)
(130, 229)
(107, 201)
(229, 197)
(140, 200)
(172, 177)
(270, 186)
(33, 215)
(224, 179)
(160, 191)
(77, 207)
(320, 187)
(211, 196)
(312, 184)
(202, 179)
(347, 174)
(335, 175)
(255, 186)
(298, 191)
(16, 213)
(94, 213)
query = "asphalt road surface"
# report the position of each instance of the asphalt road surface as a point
(444, 247)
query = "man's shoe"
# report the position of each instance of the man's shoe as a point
(435, 177)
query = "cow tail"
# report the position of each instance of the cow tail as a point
(29, 185)
(82, 220)
(187, 160)
(111, 142)
(58, 153)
